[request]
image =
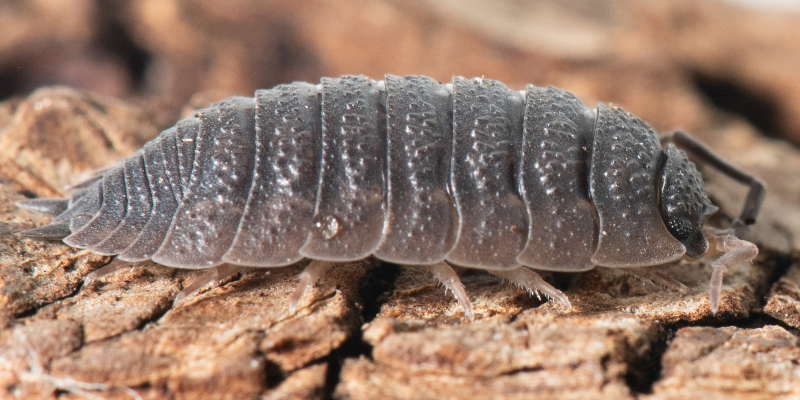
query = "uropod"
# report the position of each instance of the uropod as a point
(413, 172)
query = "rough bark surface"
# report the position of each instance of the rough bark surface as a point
(730, 362)
(374, 330)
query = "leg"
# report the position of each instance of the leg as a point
(757, 188)
(445, 274)
(216, 276)
(735, 251)
(534, 283)
(651, 274)
(308, 278)
(107, 269)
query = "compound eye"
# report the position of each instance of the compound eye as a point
(680, 228)
(697, 245)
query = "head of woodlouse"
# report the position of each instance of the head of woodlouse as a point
(684, 204)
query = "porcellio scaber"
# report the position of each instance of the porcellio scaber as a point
(413, 172)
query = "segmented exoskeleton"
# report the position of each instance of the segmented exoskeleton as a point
(410, 171)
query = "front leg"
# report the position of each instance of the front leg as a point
(735, 251)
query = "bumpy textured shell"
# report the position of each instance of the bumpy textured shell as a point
(406, 169)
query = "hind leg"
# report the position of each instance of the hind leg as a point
(534, 283)
(107, 269)
(449, 278)
(214, 276)
(308, 278)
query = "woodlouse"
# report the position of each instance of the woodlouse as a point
(413, 172)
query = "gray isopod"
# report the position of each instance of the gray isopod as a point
(410, 171)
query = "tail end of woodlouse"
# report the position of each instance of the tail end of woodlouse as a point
(534, 283)
(55, 231)
(10, 229)
(48, 206)
(735, 251)
(308, 278)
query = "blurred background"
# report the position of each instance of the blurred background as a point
(727, 70)
(699, 65)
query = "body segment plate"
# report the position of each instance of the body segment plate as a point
(164, 207)
(562, 234)
(185, 144)
(280, 206)
(487, 141)
(349, 216)
(419, 133)
(140, 206)
(623, 188)
(169, 155)
(206, 221)
(115, 203)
